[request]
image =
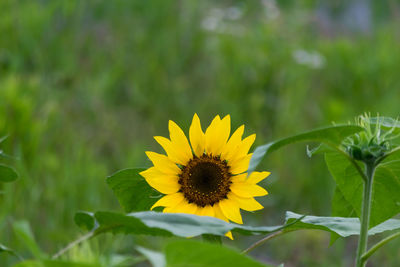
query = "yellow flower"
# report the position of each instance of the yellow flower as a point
(208, 176)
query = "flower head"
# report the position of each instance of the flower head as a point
(208, 176)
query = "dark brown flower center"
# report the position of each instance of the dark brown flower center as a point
(205, 180)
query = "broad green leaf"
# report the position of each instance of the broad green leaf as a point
(332, 136)
(132, 190)
(386, 187)
(156, 259)
(23, 231)
(338, 225)
(169, 224)
(7, 174)
(190, 253)
(340, 208)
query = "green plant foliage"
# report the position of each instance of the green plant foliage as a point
(339, 225)
(332, 136)
(132, 190)
(168, 224)
(191, 253)
(157, 259)
(385, 198)
(53, 263)
(24, 233)
(6, 249)
(7, 174)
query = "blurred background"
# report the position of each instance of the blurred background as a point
(85, 85)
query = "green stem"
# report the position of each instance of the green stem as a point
(365, 213)
(378, 245)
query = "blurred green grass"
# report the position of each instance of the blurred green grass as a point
(85, 85)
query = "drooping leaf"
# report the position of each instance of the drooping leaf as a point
(7, 174)
(24, 232)
(156, 259)
(190, 253)
(386, 187)
(132, 190)
(332, 136)
(168, 224)
(338, 225)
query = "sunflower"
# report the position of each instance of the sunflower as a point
(208, 176)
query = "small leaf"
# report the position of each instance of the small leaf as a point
(156, 259)
(169, 224)
(132, 190)
(332, 136)
(7, 174)
(24, 232)
(7, 250)
(339, 225)
(85, 220)
(190, 253)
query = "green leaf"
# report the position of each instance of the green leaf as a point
(7, 174)
(132, 190)
(386, 187)
(23, 231)
(190, 253)
(7, 250)
(332, 136)
(156, 259)
(338, 225)
(340, 206)
(85, 220)
(169, 224)
(53, 263)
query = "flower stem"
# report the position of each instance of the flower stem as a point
(365, 213)
(379, 245)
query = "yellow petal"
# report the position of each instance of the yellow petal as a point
(196, 135)
(247, 190)
(169, 200)
(229, 235)
(180, 141)
(164, 183)
(256, 177)
(186, 207)
(239, 178)
(241, 165)
(210, 135)
(206, 211)
(228, 151)
(244, 147)
(218, 214)
(172, 152)
(163, 163)
(231, 210)
(249, 204)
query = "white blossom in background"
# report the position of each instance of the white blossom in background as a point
(271, 9)
(221, 20)
(311, 59)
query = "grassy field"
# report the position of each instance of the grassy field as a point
(85, 85)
